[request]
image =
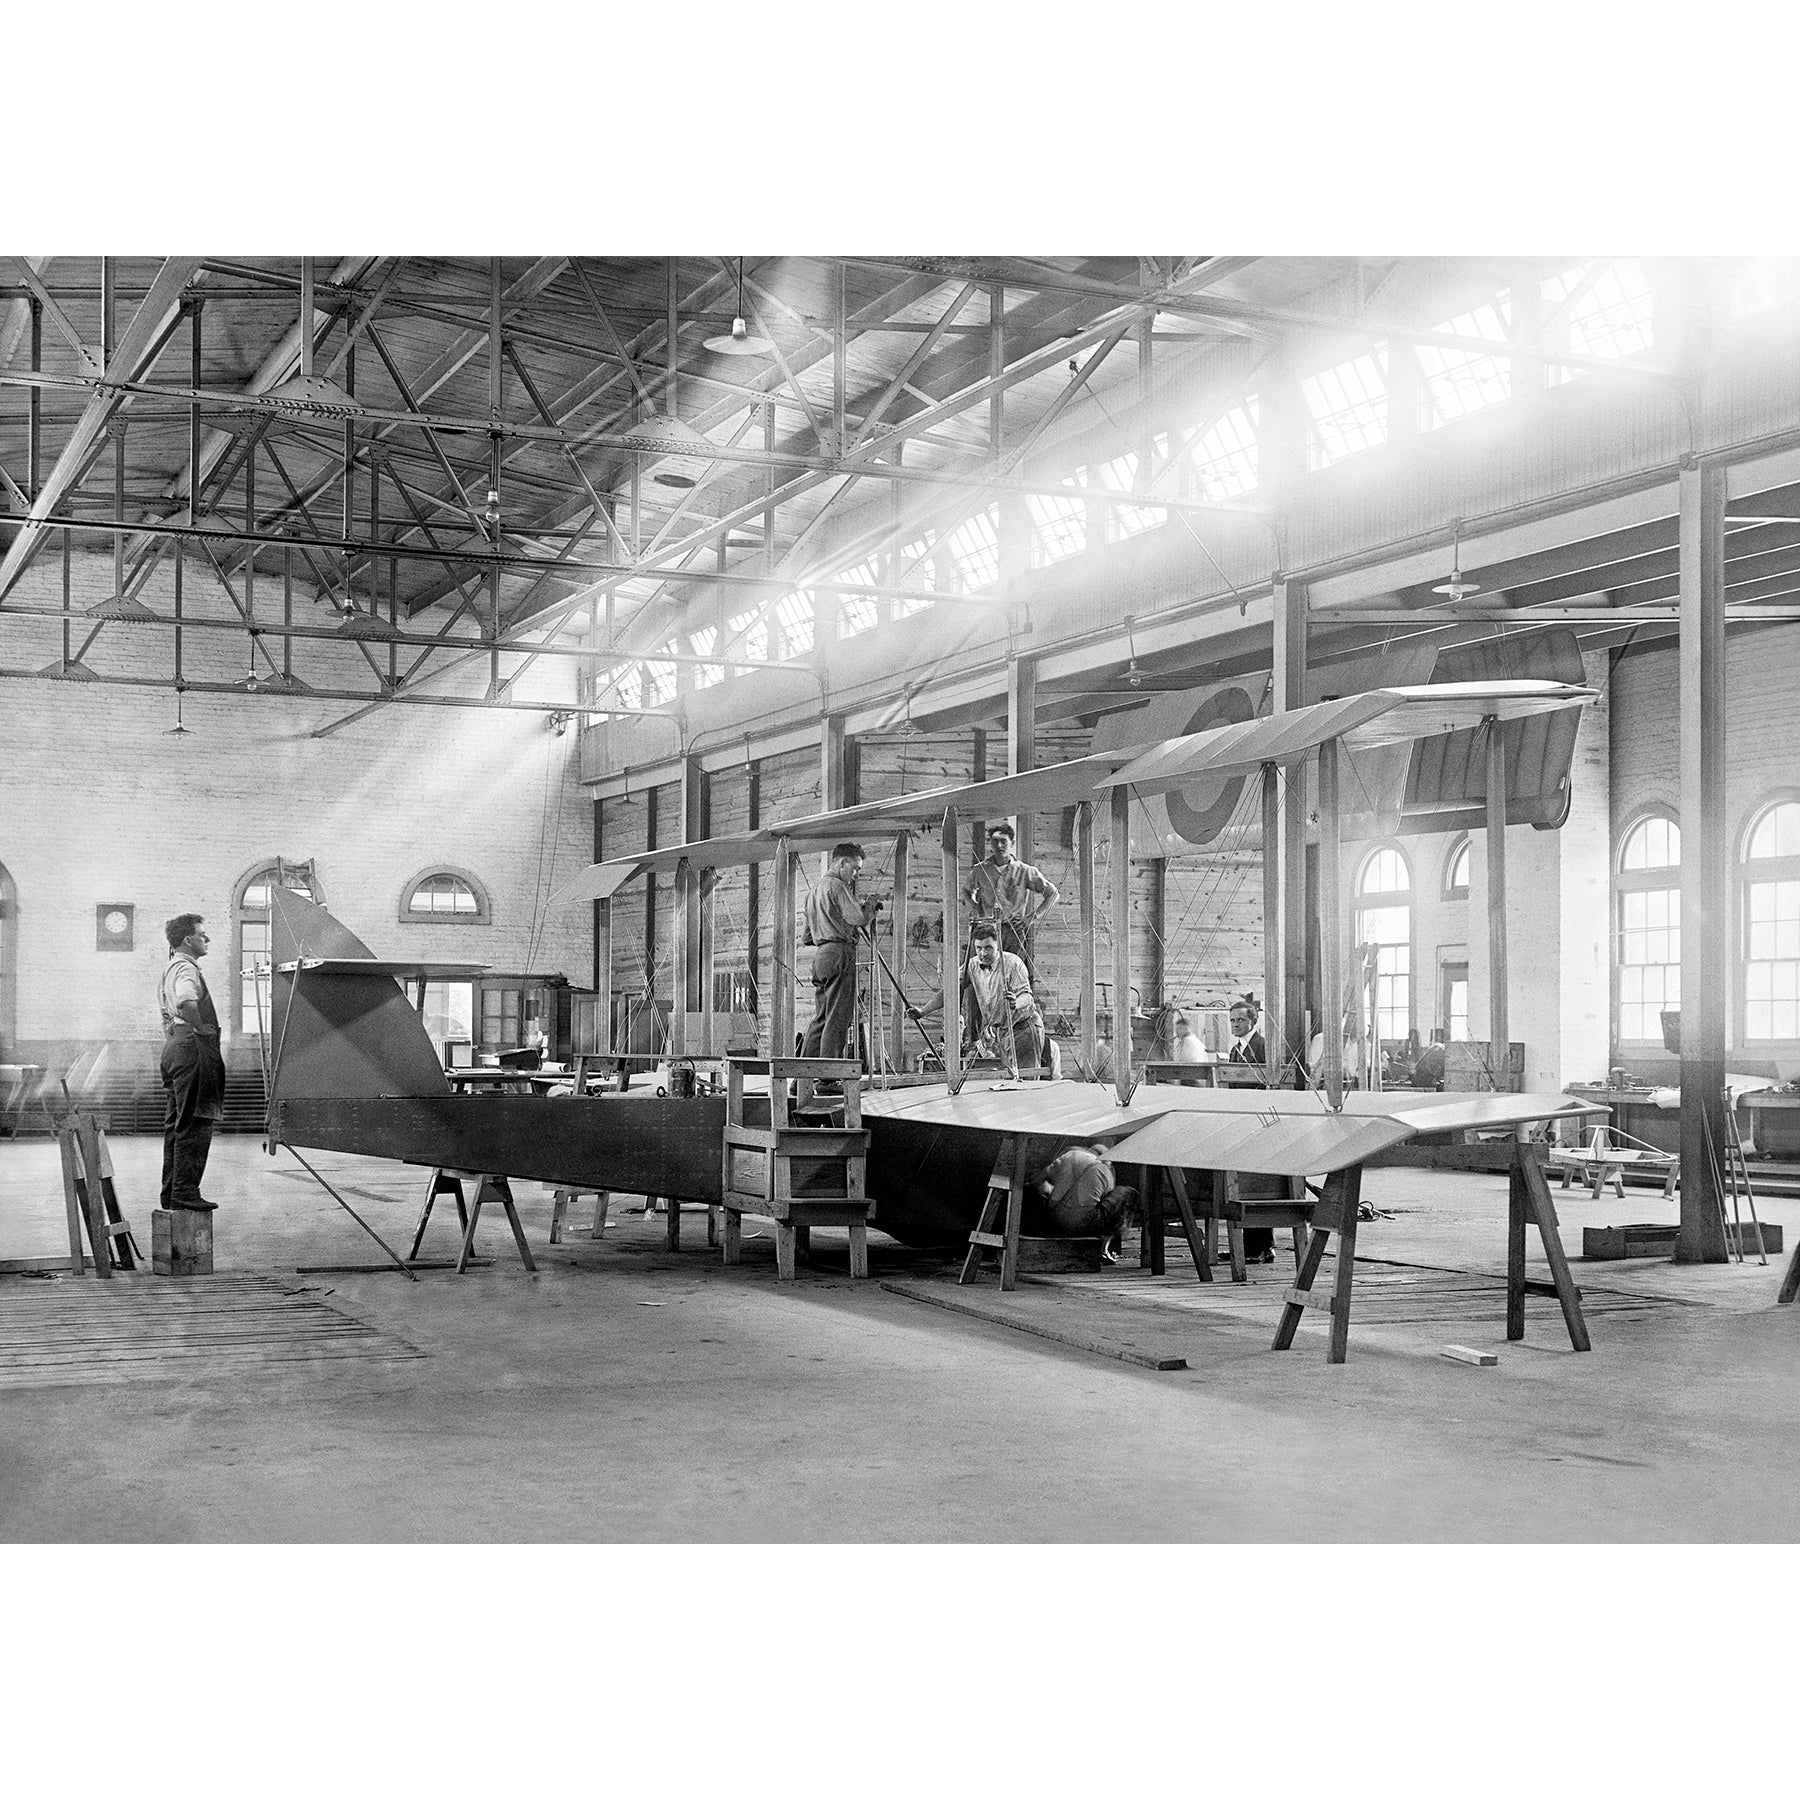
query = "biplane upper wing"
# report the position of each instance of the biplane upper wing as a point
(1061, 784)
(1359, 721)
(1383, 716)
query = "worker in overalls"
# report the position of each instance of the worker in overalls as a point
(192, 1066)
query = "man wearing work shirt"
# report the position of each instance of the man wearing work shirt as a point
(192, 1066)
(1013, 894)
(835, 918)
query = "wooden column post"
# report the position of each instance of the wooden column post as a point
(898, 912)
(753, 905)
(1084, 884)
(951, 972)
(681, 1002)
(1499, 1029)
(1706, 923)
(1021, 737)
(1286, 998)
(1121, 930)
(781, 955)
(603, 931)
(1274, 1011)
(1331, 925)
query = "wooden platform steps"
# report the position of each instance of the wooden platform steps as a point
(795, 1174)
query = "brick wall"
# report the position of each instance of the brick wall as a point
(99, 804)
(1761, 758)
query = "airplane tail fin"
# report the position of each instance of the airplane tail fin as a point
(334, 1033)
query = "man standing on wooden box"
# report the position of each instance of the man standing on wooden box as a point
(193, 1067)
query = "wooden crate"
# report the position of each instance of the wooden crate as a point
(1468, 1068)
(1613, 1243)
(181, 1242)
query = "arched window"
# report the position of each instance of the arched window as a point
(1771, 924)
(1384, 919)
(444, 896)
(9, 949)
(250, 920)
(1456, 870)
(1649, 888)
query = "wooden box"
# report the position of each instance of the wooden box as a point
(1613, 1243)
(1059, 1256)
(1469, 1068)
(181, 1242)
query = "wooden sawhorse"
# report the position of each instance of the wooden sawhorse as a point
(487, 1187)
(1528, 1201)
(564, 1198)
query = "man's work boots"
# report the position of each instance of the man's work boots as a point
(197, 1204)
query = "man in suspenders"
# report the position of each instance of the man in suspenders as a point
(193, 1066)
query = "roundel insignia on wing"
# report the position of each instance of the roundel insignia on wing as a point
(1201, 811)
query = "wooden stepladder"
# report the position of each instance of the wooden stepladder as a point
(797, 1175)
(90, 1196)
(1336, 1212)
(1528, 1201)
(1003, 1207)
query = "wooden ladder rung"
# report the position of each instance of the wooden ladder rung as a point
(992, 1240)
(1548, 1289)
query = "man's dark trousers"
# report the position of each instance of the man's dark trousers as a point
(834, 1001)
(193, 1077)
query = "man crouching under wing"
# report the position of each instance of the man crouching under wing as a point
(1076, 1194)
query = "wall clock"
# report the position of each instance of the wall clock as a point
(113, 926)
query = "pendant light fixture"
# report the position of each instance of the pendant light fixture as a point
(741, 341)
(1456, 588)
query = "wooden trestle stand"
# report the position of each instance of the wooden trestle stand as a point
(1528, 1201)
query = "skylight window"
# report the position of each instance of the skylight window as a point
(912, 568)
(754, 625)
(1225, 454)
(1119, 477)
(1764, 286)
(631, 688)
(1061, 526)
(858, 613)
(703, 643)
(794, 623)
(974, 548)
(1460, 382)
(1608, 314)
(1348, 408)
(659, 680)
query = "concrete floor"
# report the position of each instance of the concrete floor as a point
(625, 1394)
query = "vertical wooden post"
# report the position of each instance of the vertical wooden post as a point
(1286, 1036)
(1499, 1029)
(682, 1000)
(1121, 930)
(753, 905)
(1706, 871)
(1084, 883)
(898, 912)
(1274, 1009)
(1331, 924)
(1021, 738)
(781, 955)
(603, 989)
(951, 972)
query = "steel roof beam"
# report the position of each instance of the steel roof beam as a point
(139, 345)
